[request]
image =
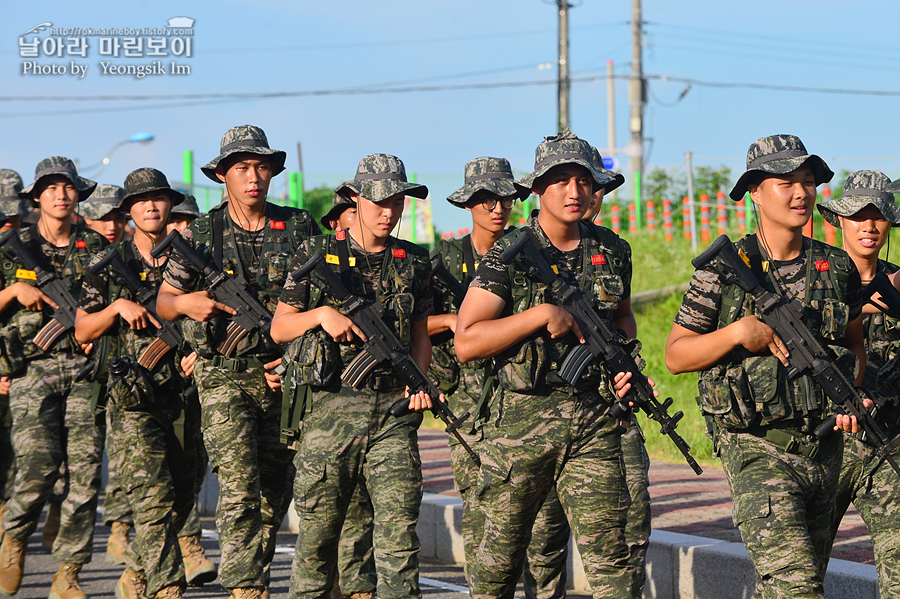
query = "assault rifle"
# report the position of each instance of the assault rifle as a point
(169, 335)
(382, 345)
(439, 271)
(63, 317)
(806, 354)
(231, 291)
(601, 344)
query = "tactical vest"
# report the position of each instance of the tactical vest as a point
(23, 325)
(533, 363)
(744, 390)
(882, 332)
(318, 357)
(286, 228)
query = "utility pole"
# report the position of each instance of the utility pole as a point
(611, 114)
(636, 92)
(563, 63)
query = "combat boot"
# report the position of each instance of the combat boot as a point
(118, 542)
(197, 569)
(245, 593)
(171, 592)
(51, 526)
(12, 561)
(132, 585)
(65, 583)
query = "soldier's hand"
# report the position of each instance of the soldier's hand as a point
(187, 364)
(559, 322)
(621, 385)
(421, 401)
(201, 306)
(136, 315)
(31, 297)
(338, 326)
(273, 380)
(4, 385)
(756, 336)
(849, 424)
(87, 348)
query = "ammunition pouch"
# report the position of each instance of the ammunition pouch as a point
(131, 389)
(526, 368)
(12, 350)
(315, 359)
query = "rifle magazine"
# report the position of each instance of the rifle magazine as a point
(357, 370)
(153, 353)
(574, 363)
(48, 335)
(234, 334)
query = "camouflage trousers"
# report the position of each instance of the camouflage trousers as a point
(874, 489)
(783, 505)
(7, 455)
(199, 462)
(53, 425)
(531, 442)
(240, 418)
(115, 504)
(155, 466)
(356, 554)
(637, 530)
(346, 434)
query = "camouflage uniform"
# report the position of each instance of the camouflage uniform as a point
(871, 484)
(348, 431)
(10, 204)
(154, 469)
(545, 568)
(782, 479)
(240, 415)
(53, 420)
(542, 431)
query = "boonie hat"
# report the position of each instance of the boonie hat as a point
(617, 178)
(779, 155)
(104, 200)
(861, 189)
(487, 174)
(147, 180)
(339, 204)
(564, 148)
(188, 206)
(247, 139)
(59, 165)
(380, 176)
(10, 187)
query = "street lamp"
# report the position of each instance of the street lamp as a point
(142, 138)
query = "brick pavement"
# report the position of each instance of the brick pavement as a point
(682, 501)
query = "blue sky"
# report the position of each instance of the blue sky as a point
(303, 46)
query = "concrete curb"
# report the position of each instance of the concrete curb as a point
(678, 565)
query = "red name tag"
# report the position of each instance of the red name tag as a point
(278, 225)
(80, 244)
(399, 253)
(598, 259)
(341, 235)
(822, 265)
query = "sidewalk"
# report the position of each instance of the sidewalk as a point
(682, 502)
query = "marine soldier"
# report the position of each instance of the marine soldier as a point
(53, 420)
(865, 213)
(183, 214)
(239, 397)
(153, 464)
(349, 432)
(544, 431)
(782, 478)
(102, 212)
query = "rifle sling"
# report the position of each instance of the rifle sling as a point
(469, 258)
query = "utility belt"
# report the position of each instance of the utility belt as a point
(239, 364)
(383, 381)
(791, 441)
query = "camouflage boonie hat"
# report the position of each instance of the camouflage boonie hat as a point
(248, 139)
(59, 165)
(147, 180)
(339, 204)
(380, 176)
(861, 189)
(187, 207)
(564, 148)
(779, 155)
(10, 187)
(104, 200)
(893, 187)
(487, 174)
(618, 179)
